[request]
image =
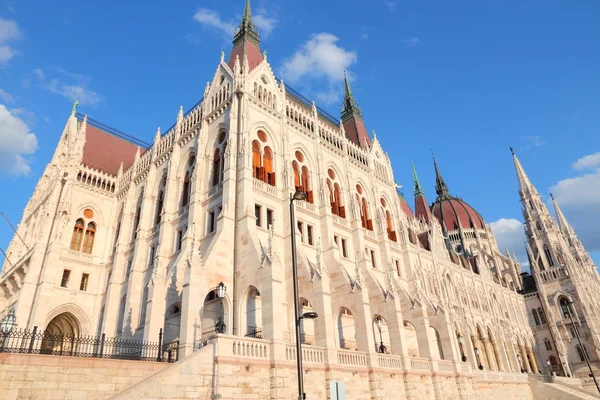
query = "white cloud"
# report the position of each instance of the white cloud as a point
(6, 96)
(579, 199)
(212, 19)
(264, 24)
(16, 143)
(391, 5)
(412, 42)
(75, 89)
(510, 235)
(587, 162)
(9, 31)
(319, 57)
(320, 61)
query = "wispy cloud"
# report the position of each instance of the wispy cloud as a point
(391, 5)
(17, 144)
(412, 42)
(588, 162)
(319, 60)
(74, 87)
(531, 142)
(7, 97)
(213, 20)
(364, 33)
(9, 31)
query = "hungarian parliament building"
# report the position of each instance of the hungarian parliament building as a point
(189, 237)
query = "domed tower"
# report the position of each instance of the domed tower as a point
(467, 233)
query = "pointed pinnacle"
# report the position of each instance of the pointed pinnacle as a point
(247, 12)
(347, 91)
(418, 189)
(440, 186)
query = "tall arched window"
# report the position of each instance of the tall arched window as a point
(535, 316)
(581, 352)
(548, 256)
(218, 161)
(187, 178)
(77, 235)
(136, 221)
(389, 226)
(542, 316)
(302, 176)
(565, 307)
(88, 242)
(160, 202)
(547, 344)
(262, 159)
(335, 194)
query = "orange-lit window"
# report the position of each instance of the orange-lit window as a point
(90, 233)
(216, 167)
(77, 235)
(256, 160)
(269, 175)
(185, 196)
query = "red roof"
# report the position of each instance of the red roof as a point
(356, 131)
(405, 207)
(105, 152)
(421, 207)
(454, 213)
(252, 53)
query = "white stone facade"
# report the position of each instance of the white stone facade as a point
(208, 202)
(563, 272)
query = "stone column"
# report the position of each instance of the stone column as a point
(534, 365)
(524, 361)
(489, 354)
(500, 353)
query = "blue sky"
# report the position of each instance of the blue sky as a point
(464, 79)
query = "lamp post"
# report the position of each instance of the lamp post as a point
(460, 344)
(6, 326)
(567, 311)
(379, 323)
(550, 372)
(298, 195)
(221, 327)
(477, 353)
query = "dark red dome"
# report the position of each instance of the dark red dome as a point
(455, 212)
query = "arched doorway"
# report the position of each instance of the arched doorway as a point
(58, 333)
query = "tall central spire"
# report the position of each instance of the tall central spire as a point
(352, 118)
(246, 41)
(421, 206)
(418, 188)
(440, 185)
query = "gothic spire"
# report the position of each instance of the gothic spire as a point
(246, 41)
(524, 182)
(418, 189)
(352, 120)
(562, 221)
(349, 107)
(246, 29)
(440, 185)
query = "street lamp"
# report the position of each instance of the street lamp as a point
(379, 322)
(477, 353)
(460, 344)
(221, 327)
(549, 367)
(567, 311)
(298, 195)
(7, 325)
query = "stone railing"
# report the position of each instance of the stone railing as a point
(310, 354)
(390, 361)
(76, 255)
(354, 358)
(242, 347)
(339, 220)
(368, 233)
(554, 273)
(420, 364)
(307, 206)
(215, 189)
(445, 366)
(264, 187)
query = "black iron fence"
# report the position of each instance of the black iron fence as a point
(25, 341)
(255, 333)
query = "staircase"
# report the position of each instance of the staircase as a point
(546, 387)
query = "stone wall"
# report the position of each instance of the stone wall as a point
(32, 376)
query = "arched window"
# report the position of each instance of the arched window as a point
(535, 316)
(364, 215)
(77, 235)
(548, 256)
(159, 207)
(136, 221)
(542, 316)
(216, 167)
(389, 227)
(582, 352)
(187, 178)
(88, 242)
(302, 176)
(269, 175)
(262, 159)
(144, 306)
(256, 160)
(565, 307)
(174, 309)
(547, 344)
